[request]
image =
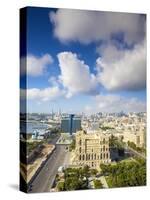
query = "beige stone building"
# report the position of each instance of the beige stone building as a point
(138, 138)
(92, 149)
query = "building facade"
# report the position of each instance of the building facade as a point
(91, 149)
(70, 124)
(138, 138)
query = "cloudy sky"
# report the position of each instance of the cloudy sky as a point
(84, 61)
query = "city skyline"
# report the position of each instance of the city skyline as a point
(82, 66)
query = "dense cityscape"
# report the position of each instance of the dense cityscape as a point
(83, 99)
(73, 152)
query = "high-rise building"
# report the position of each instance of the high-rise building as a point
(70, 124)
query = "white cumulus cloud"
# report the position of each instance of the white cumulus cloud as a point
(35, 66)
(46, 94)
(75, 75)
(122, 69)
(88, 26)
(116, 103)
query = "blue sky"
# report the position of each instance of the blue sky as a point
(84, 61)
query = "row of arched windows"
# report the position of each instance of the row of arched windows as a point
(102, 149)
(93, 156)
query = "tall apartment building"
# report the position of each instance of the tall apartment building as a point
(92, 149)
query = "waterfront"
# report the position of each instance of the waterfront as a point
(31, 126)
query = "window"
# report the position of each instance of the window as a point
(107, 155)
(80, 157)
(103, 148)
(83, 157)
(80, 149)
(101, 156)
(89, 156)
(104, 155)
(80, 142)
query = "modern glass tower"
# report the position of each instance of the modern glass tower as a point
(70, 124)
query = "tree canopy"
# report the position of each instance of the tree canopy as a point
(126, 173)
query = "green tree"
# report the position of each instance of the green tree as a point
(76, 179)
(61, 186)
(105, 168)
(72, 183)
(98, 184)
(93, 172)
(127, 174)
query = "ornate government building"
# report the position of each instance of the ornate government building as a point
(92, 149)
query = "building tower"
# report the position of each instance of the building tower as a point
(70, 124)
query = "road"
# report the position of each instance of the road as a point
(44, 179)
(136, 153)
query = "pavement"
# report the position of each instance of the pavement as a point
(91, 185)
(103, 181)
(45, 178)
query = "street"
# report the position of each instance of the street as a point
(136, 153)
(44, 179)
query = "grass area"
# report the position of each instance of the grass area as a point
(33, 145)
